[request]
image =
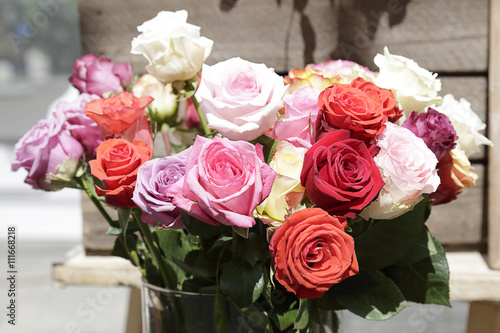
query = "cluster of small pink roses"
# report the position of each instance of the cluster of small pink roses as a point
(351, 141)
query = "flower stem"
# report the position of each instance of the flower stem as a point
(203, 121)
(155, 251)
(97, 203)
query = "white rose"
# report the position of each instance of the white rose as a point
(240, 99)
(287, 192)
(408, 169)
(172, 46)
(466, 122)
(414, 87)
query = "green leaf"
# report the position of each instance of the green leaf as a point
(287, 318)
(425, 281)
(422, 248)
(196, 264)
(302, 319)
(124, 218)
(269, 145)
(241, 282)
(113, 231)
(371, 295)
(200, 228)
(387, 241)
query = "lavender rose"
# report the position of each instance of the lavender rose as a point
(99, 75)
(153, 179)
(435, 129)
(81, 127)
(50, 155)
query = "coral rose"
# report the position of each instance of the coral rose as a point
(311, 252)
(117, 113)
(347, 107)
(116, 167)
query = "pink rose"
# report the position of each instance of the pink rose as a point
(223, 183)
(408, 169)
(301, 110)
(49, 154)
(81, 127)
(240, 99)
(99, 75)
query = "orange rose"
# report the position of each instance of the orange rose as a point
(311, 252)
(116, 166)
(454, 169)
(350, 108)
(117, 113)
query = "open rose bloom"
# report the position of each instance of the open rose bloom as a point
(289, 196)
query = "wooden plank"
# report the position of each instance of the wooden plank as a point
(460, 223)
(287, 34)
(95, 240)
(484, 317)
(494, 130)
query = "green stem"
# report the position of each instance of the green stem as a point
(203, 121)
(97, 203)
(155, 251)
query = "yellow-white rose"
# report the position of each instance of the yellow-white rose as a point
(164, 105)
(287, 192)
(172, 46)
(415, 88)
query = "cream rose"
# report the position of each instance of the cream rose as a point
(466, 122)
(408, 169)
(240, 99)
(164, 105)
(172, 46)
(414, 87)
(287, 192)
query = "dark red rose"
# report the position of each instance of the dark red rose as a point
(339, 174)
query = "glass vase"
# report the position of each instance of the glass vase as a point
(168, 311)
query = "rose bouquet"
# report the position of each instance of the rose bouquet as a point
(282, 197)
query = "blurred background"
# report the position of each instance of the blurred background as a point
(39, 41)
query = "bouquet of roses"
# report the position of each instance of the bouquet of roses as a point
(283, 197)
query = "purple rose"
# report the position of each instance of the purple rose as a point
(153, 179)
(99, 75)
(435, 129)
(50, 155)
(81, 127)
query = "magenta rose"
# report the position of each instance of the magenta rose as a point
(99, 75)
(50, 155)
(154, 178)
(225, 180)
(435, 129)
(81, 127)
(301, 110)
(340, 175)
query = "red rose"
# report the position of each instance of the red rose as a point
(311, 252)
(116, 166)
(389, 103)
(339, 174)
(347, 107)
